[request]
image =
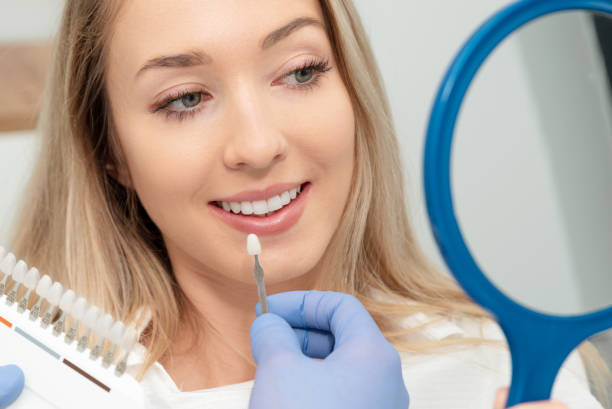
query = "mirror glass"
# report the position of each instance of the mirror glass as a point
(533, 149)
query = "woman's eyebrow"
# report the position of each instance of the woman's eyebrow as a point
(195, 58)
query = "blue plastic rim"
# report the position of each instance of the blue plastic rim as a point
(539, 343)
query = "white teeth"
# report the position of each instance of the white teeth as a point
(285, 198)
(299, 189)
(260, 207)
(246, 208)
(274, 203)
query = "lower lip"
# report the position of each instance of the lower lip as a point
(280, 221)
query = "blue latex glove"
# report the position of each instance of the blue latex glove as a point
(360, 369)
(11, 384)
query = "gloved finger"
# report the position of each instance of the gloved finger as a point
(272, 335)
(11, 384)
(341, 314)
(315, 343)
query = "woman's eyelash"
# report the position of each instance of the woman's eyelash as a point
(163, 106)
(321, 66)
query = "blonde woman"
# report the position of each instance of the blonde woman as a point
(167, 125)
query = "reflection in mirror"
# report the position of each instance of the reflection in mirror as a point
(533, 147)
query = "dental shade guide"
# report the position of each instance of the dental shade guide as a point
(254, 249)
(51, 339)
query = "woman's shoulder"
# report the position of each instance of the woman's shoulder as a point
(462, 361)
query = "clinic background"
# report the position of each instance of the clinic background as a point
(414, 41)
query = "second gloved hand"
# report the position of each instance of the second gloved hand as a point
(360, 369)
(11, 384)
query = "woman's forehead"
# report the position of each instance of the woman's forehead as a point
(145, 28)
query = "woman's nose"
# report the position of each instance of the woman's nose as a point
(255, 140)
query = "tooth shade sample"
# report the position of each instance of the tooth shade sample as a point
(226, 206)
(43, 286)
(55, 293)
(293, 193)
(91, 316)
(116, 332)
(8, 264)
(104, 324)
(31, 278)
(128, 340)
(67, 300)
(78, 308)
(19, 271)
(253, 245)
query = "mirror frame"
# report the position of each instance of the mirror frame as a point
(539, 343)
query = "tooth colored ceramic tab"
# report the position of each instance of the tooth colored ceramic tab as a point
(19, 271)
(55, 293)
(91, 316)
(253, 245)
(31, 278)
(43, 286)
(8, 264)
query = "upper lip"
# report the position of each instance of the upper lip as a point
(255, 195)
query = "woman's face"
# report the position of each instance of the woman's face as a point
(231, 106)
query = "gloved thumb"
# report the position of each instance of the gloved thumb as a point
(11, 384)
(272, 335)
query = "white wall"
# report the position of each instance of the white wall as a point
(414, 42)
(29, 20)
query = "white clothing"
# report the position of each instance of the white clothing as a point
(464, 378)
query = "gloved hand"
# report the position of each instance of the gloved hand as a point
(360, 369)
(11, 384)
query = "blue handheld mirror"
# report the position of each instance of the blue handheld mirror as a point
(539, 341)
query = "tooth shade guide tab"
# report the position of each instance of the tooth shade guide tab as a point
(8, 264)
(254, 249)
(253, 245)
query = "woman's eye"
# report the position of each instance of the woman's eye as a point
(308, 75)
(303, 75)
(189, 100)
(182, 105)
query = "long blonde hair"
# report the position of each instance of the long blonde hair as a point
(79, 225)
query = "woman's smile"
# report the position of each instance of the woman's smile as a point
(263, 212)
